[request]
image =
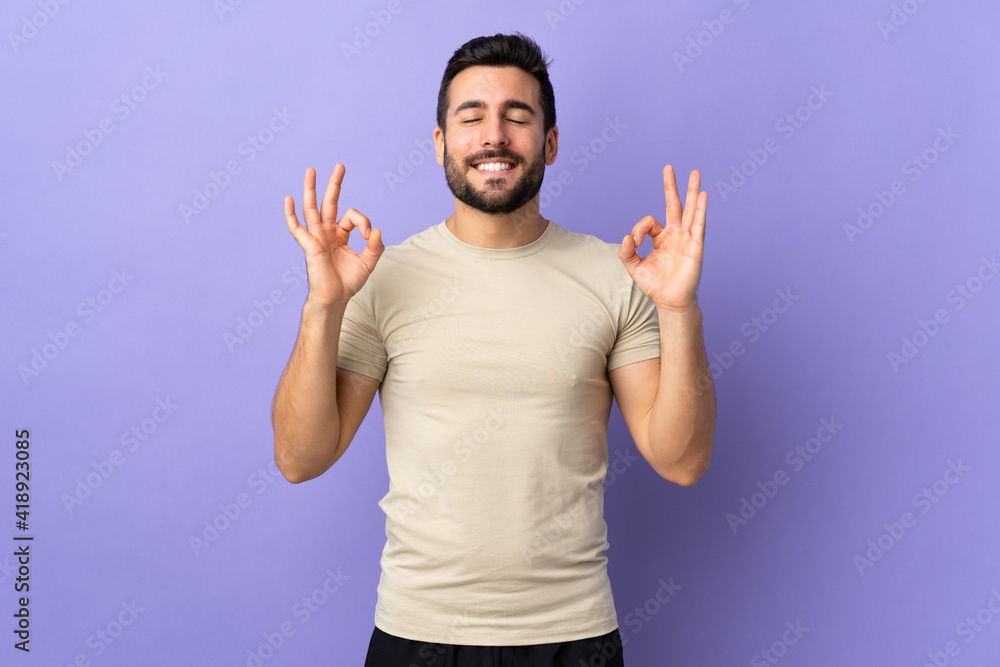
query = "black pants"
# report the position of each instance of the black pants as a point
(385, 650)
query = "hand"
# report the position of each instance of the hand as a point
(669, 274)
(336, 272)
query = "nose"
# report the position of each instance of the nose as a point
(493, 133)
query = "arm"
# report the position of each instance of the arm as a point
(669, 403)
(317, 407)
(682, 420)
(304, 414)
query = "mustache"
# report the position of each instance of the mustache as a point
(490, 155)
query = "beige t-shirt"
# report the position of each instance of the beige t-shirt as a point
(495, 397)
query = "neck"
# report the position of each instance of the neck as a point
(510, 230)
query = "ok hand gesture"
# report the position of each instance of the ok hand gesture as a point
(669, 274)
(336, 272)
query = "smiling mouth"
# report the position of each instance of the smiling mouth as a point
(497, 167)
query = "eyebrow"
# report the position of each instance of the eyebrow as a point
(504, 106)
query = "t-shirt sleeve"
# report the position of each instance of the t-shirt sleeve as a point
(361, 348)
(638, 335)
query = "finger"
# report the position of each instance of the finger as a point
(694, 187)
(648, 225)
(373, 249)
(629, 257)
(300, 234)
(353, 218)
(328, 212)
(627, 248)
(309, 210)
(698, 227)
(673, 218)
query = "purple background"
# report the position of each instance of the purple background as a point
(168, 334)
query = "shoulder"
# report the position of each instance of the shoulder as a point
(414, 249)
(584, 242)
(597, 253)
(417, 242)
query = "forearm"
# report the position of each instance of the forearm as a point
(682, 419)
(305, 415)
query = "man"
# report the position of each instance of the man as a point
(496, 340)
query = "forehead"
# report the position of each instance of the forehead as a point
(493, 85)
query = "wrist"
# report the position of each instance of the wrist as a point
(692, 310)
(322, 308)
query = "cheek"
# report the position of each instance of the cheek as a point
(465, 147)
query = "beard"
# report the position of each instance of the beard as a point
(497, 197)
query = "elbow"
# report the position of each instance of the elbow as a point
(688, 473)
(292, 473)
(293, 476)
(289, 473)
(295, 469)
(687, 479)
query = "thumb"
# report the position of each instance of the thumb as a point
(374, 248)
(629, 257)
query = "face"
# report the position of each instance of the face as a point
(494, 151)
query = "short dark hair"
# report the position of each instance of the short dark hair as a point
(515, 50)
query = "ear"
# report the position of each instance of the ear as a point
(551, 145)
(439, 145)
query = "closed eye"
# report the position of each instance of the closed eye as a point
(473, 120)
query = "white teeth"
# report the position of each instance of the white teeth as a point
(494, 166)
